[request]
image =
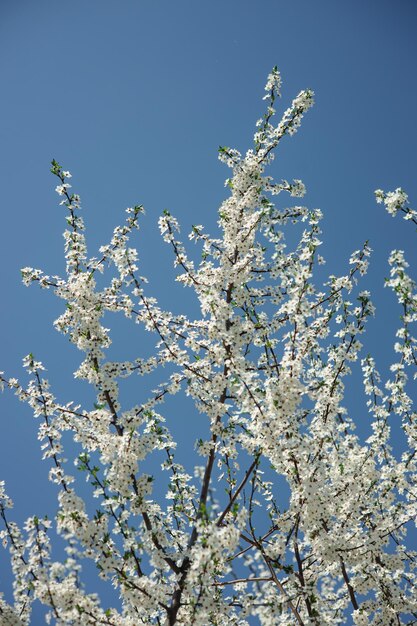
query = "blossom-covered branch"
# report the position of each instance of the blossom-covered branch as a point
(282, 514)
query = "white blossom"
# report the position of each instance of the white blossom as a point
(289, 516)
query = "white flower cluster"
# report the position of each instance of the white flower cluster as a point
(396, 201)
(289, 516)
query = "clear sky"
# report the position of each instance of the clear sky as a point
(134, 98)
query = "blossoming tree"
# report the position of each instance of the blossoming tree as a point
(289, 518)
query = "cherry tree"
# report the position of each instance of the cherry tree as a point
(288, 517)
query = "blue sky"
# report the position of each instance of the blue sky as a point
(134, 98)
